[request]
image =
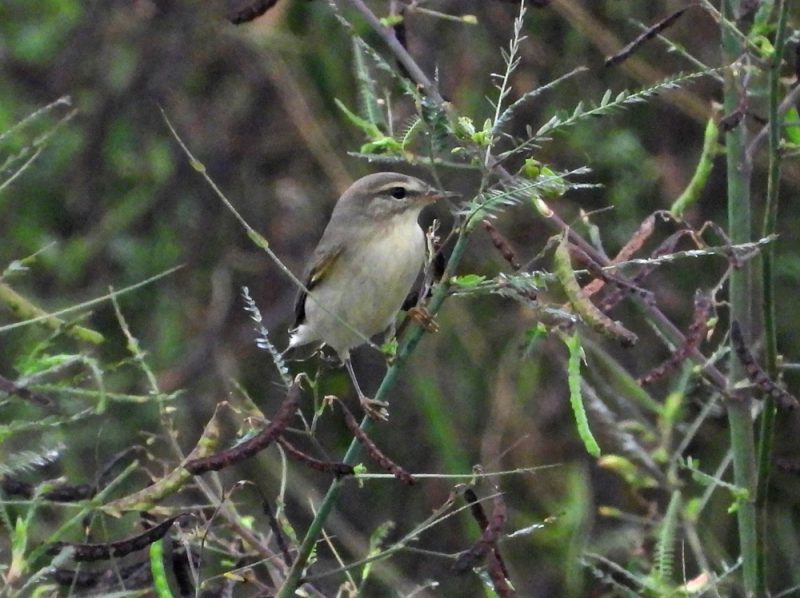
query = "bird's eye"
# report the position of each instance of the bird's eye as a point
(397, 192)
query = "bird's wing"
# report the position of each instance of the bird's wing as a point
(321, 263)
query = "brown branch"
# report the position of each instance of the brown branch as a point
(120, 548)
(147, 498)
(276, 530)
(648, 34)
(62, 493)
(667, 246)
(756, 374)
(630, 248)
(498, 575)
(257, 443)
(501, 244)
(476, 508)
(334, 467)
(697, 331)
(104, 578)
(373, 451)
(402, 55)
(12, 388)
(599, 273)
(487, 544)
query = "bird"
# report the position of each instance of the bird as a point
(363, 267)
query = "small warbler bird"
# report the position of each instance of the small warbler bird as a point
(363, 267)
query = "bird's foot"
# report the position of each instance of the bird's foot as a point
(425, 319)
(376, 410)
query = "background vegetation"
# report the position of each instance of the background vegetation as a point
(96, 193)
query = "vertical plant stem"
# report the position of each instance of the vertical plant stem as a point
(353, 453)
(768, 284)
(738, 178)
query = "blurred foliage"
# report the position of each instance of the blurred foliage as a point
(111, 201)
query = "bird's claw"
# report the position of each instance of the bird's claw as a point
(425, 319)
(376, 410)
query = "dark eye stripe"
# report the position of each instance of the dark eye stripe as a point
(410, 187)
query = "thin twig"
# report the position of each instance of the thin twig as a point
(788, 102)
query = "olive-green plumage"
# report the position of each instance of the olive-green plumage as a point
(365, 263)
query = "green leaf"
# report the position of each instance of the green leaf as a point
(369, 129)
(367, 89)
(392, 20)
(389, 348)
(384, 145)
(665, 547)
(468, 280)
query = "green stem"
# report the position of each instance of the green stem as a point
(768, 283)
(738, 176)
(413, 336)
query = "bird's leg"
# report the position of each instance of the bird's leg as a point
(390, 333)
(374, 409)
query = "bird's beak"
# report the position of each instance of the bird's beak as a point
(436, 194)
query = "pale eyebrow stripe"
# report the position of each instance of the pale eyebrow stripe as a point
(407, 186)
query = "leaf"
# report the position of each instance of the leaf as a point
(665, 548)
(411, 130)
(468, 280)
(607, 106)
(384, 145)
(369, 129)
(389, 348)
(508, 113)
(368, 95)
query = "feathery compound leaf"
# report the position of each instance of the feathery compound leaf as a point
(262, 339)
(379, 61)
(613, 575)
(492, 201)
(527, 96)
(511, 58)
(522, 190)
(606, 105)
(435, 119)
(48, 422)
(665, 548)
(411, 129)
(377, 158)
(367, 92)
(367, 127)
(29, 460)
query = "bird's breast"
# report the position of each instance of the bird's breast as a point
(386, 264)
(368, 283)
